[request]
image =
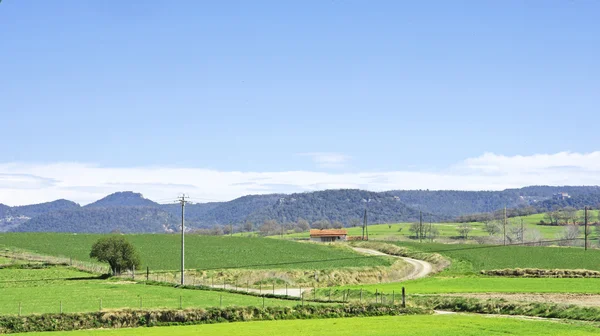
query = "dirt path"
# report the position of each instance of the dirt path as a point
(419, 269)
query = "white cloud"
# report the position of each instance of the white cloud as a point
(24, 183)
(328, 160)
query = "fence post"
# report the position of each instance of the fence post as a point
(302, 296)
(100, 304)
(286, 291)
(403, 298)
(263, 302)
(140, 302)
(361, 290)
(376, 293)
(260, 288)
(147, 273)
(329, 294)
(221, 301)
(273, 288)
(19, 308)
(61, 306)
(180, 302)
(133, 273)
(393, 297)
(223, 283)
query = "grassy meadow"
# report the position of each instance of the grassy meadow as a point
(414, 325)
(42, 290)
(162, 251)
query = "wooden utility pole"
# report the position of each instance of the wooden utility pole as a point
(366, 225)
(430, 229)
(586, 228)
(182, 200)
(420, 226)
(504, 226)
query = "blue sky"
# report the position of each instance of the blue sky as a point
(339, 88)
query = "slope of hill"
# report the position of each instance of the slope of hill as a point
(341, 205)
(122, 199)
(102, 220)
(456, 203)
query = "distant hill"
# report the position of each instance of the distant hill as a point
(122, 199)
(337, 205)
(102, 220)
(131, 212)
(455, 203)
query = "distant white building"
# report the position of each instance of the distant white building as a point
(561, 196)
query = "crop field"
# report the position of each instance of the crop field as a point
(162, 251)
(417, 325)
(474, 258)
(42, 290)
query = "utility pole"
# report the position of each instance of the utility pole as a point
(430, 229)
(420, 226)
(182, 200)
(366, 227)
(586, 227)
(504, 226)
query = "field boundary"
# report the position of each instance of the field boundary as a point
(150, 318)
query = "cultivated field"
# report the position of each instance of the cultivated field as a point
(428, 325)
(42, 290)
(162, 251)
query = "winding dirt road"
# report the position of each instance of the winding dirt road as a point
(420, 269)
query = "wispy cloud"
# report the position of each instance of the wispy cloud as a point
(328, 160)
(33, 183)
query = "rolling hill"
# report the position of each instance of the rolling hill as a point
(131, 212)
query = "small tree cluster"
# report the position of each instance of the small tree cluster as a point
(119, 253)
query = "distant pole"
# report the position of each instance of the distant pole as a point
(403, 298)
(586, 228)
(366, 225)
(231, 229)
(430, 229)
(182, 200)
(420, 226)
(504, 226)
(363, 226)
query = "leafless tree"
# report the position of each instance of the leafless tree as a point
(464, 229)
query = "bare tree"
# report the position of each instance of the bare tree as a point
(354, 222)
(337, 224)
(302, 225)
(569, 234)
(248, 226)
(464, 230)
(492, 227)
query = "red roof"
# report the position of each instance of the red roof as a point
(328, 233)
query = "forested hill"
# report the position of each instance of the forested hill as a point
(131, 212)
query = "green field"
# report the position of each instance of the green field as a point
(416, 325)
(438, 285)
(449, 230)
(474, 258)
(42, 290)
(162, 251)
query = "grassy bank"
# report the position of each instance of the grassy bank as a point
(414, 325)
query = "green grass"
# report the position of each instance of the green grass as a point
(438, 285)
(42, 290)
(416, 325)
(162, 251)
(474, 258)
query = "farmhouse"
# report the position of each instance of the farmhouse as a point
(328, 235)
